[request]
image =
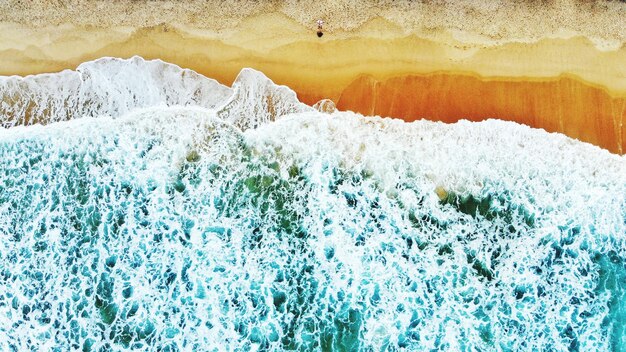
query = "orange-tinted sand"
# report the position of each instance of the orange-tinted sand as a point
(563, 104)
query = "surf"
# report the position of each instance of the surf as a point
(166, 211)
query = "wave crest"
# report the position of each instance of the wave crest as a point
(113, 87)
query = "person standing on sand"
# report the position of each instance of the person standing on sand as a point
(319, 28)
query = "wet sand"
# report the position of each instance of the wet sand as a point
(554, 65)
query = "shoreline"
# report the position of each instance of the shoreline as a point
(25, 51)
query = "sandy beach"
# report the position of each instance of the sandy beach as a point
(557, 66)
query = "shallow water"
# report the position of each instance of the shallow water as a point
(240, 219)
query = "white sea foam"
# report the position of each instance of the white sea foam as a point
(107, 86)
(256, 101)
(113, 87)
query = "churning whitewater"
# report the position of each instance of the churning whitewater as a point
(146, 207)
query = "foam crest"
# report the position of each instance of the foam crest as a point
(113, 87)
(107, 86)
(256, 100)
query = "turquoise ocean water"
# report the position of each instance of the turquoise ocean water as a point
(146, 207)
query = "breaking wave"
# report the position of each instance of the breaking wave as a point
(146, 207)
